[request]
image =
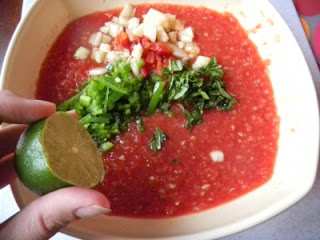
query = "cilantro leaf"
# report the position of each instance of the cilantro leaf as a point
(199, 89)
(140, 125)
(157, 140)
(193, 117)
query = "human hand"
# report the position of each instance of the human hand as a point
(42, 218)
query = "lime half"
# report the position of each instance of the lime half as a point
(58, 152)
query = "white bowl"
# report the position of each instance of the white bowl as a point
(295, 97)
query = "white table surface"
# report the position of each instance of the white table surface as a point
(302, 221)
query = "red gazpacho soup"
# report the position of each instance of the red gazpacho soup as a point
(227, 155)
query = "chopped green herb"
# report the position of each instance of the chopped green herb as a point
(140, 63)
(175, 66)
(193, 118)
(85, 101)
(175, 161)
(165, 108)
(157, 140)
(105, 147)
(140, 125)
(106, 104)
(199, 89)
(156, 98)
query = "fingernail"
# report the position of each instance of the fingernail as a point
(73, 113)
(91, 211)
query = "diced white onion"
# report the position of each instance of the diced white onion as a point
(115, 20)
(178, 52)
(97, 40)
(169, 23)
(123, 21)
(134, 68)
(133, 22)
(94, 49)
(131, 35)
(154, 17)
(129, 59)
(97, 71)
(186, 35)
(117, 55)
(150, 31)
(138, 31)
(124, 54)
(112, 57)
(106, 39)
(99, 56)
(115, 29)
(157, 26)
(180, 44)
(104, 47)
(82, 53)
(192, 49)
(104, 29)
(172, 185)
(162, 35)
(172, 36)
(200, 62)
(137, 52)
(117, 79)
(133, 13)
(178, 26)
(217, 156)
(126, 11)
(92, 38)
(206, 186)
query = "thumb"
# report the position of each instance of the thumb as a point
(45, 216)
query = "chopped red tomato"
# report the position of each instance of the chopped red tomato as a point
(149, 57)
(158, 57)
(121, 41)
(155, 55)
(161, 48)
(159, 67)
(144, 71)
(145, 42)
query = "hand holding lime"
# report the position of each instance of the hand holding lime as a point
(58, 152)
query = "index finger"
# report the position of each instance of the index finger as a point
(15, 109)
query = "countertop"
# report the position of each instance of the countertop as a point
(301, 221)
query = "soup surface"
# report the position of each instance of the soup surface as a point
(181, 178)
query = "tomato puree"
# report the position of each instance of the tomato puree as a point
(181, 178)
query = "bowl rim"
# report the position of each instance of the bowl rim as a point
(251, 222)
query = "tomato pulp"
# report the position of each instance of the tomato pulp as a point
(181, 178)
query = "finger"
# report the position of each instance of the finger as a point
(45, 216)
(7, 170)
(9, 137)
(15, 109)
(73, 114)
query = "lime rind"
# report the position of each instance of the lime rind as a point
(31, 164)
